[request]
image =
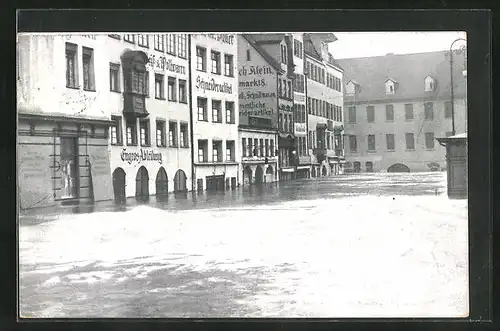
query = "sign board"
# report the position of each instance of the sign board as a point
(142, 155)
(300, 129)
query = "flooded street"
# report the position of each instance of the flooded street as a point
(360, 245)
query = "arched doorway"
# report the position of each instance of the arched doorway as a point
(119, 185)
(323, 171)
(247, 175)
(259, 175)
(161, 183)
(369, 166)
(269, 174)
(313, 172)
(357, 166)
(180, 179)
(142, 184)
(398, 167)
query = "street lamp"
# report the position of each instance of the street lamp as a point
(451, 83)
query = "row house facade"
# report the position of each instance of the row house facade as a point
(394, 115)
(324, 106)
(214, 97)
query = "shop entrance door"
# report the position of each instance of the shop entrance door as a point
(67, 169)
(215, 183)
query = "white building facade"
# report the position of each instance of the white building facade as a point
(215, 111)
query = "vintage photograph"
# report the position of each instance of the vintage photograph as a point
(269, 175)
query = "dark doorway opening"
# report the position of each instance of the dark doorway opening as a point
(119, 185)
(369, 166)
(215, 183)
(69, 168)
(357, 166)
(398, 167)
(180, 180)
(161, 184)
(259, 175)
(247, 175)
(324, 171)
(142, 184)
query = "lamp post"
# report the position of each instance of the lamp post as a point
(451, 84)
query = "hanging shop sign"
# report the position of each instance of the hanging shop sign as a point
(141, 156)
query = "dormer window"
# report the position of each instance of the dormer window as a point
(390, 87)
(430, 84)
(352, 88)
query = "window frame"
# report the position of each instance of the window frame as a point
(183, 98)
(218, 111)
(159, 80)
(427, 140)
(147, 132)
(172, 86)
(389, 109)
(159, 40)
(133, 136)
(407, 135)
(114, 70)
(89, 83)
(387, 140)
(204, 102)
(230, 111)
(71, 52)
(184, 140)
(201, 54)
(228, 65)
(161, 126)
(173, 136)
(119, 131)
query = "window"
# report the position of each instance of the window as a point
(217, 151)
(389, 87)
(115, 36)
(352, 114)
(201, 59)
(370, 114)
(230, 150)
(410, 141)
(389, 113)
(184, 135)
(429, 140)
(256, 147)
(202, 150)
(244, 146)
(71, 65)
(389, 139)
(159, 86)
(261, 147)
(309, 105)
(146, 83)
(116, 130)
(429, 84)
(130, 38)
(250, 147)
(447, 109)
(267, 147)
(171, 89)
(131, 133)
(216, 111)
(182, 91)
(114, 77)
(171, 44)
(280, 88)
(429, 111)
(160, 134)
(202, 109)
(297, 48)
(283, 54)
(409, 111)
(172, 134)
(271, 147)
(143, 40)
(353, 144)
(159, 42)
(215, 56)
(371, 142)
(248, 55)
(230, 112)
(289, 89)
(88, 69)
(228, 65)
(144, 129)
(182, 44)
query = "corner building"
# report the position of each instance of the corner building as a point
(394, 115)
(214, 98)
(63, 120)
(147, 96)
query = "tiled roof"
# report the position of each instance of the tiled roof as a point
(272, 61)
(409, 70)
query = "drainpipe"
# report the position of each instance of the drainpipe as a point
(191, 124)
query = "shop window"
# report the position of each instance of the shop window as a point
(71, 65)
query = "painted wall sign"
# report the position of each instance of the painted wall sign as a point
(141, 156)
(212, 85)
(300, 129)
(257, 85)
(223, 38)
(164, 63)
(299, 97)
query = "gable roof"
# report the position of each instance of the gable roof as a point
(272, 61)
(410, 71)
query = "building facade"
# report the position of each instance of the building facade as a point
(258, 106)
(214, 97)
(63, 120)
(394, 115)
(324, 106)
(147, 97)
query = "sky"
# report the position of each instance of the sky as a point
(364, 44)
